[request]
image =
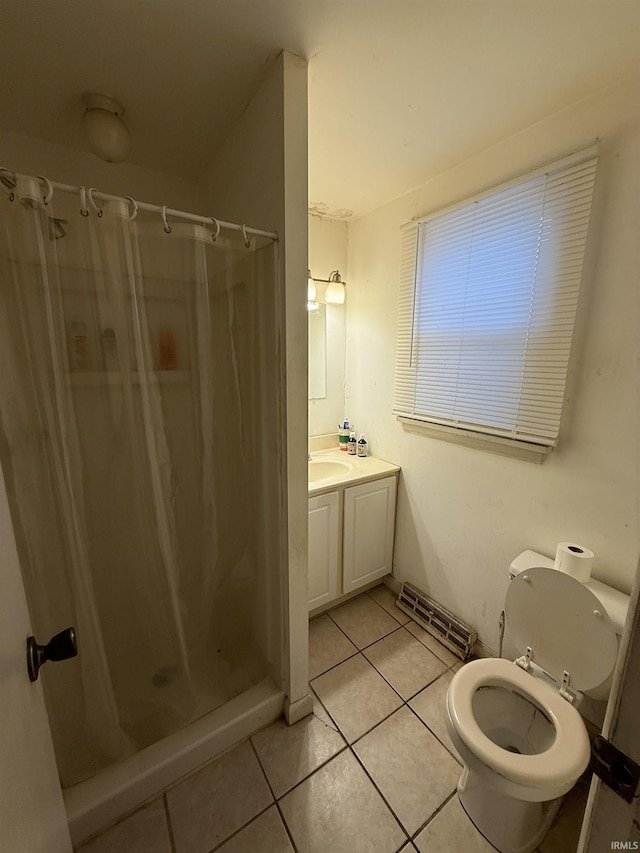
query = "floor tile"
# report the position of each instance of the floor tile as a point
(429, 706)
(265, 834)
(383, 596)
(411, 768)
(432, 644)
(328, 645)
(363, 621)
(145, 831)
(321, 712)
(338, 809)
(451, 831)
(406, 664)
(288, 754)
(356, 696)
(210, 805)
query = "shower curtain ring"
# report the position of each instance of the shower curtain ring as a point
(9, 183)
(135, 207)
(167, 227)
(214, 237)
(247, 241)
(83, 202)
(49, 194)
(92, 202)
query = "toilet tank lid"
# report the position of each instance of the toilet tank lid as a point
(527, 560)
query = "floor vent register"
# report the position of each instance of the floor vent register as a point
(443, 625)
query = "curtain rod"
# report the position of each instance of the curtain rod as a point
(163, 210)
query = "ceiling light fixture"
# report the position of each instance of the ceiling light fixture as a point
(107, 133)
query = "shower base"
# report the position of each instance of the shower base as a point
(96, 803)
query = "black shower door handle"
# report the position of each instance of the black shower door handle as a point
(61, 647)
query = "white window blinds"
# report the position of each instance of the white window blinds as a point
(488, 297)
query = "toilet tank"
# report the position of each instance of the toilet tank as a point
(616, 603)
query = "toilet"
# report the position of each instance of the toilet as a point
(522, 740)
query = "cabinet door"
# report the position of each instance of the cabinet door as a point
(369, 520)
(323, 549)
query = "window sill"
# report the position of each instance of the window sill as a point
(523, 450)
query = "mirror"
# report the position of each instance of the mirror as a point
(318, 353)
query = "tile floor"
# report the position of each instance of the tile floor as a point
(372, 769)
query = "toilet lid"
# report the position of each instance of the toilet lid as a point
(564, 623)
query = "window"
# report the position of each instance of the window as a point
(488, 297)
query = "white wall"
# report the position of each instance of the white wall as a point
(328, 251)
(463, 514)
(259, 177)
(30, 156)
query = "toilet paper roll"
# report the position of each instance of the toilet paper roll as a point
(574, 560)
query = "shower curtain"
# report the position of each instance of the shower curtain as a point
(130, 405)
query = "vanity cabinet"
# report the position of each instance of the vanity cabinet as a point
(351, 533)
(323, 549)
(369, 517)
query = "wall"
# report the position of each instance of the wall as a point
(463, 514)
(68, 166)
(328, 251)
(259, 176)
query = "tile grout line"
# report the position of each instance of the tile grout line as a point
(239, 830)
(429, 729)
(384, 799)
(273, 794)
(434, 815)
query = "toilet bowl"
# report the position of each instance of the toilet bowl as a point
(515, 724)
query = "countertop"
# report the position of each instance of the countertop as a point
(357, 470)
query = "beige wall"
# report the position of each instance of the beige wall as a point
(68, 166)
(463, 514)
(259, 177)
(328, 251)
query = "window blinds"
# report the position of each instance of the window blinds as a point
(487, 303)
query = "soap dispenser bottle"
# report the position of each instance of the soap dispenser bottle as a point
(362, 445)
(351, 448)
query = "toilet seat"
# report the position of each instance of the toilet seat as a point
(558, 767)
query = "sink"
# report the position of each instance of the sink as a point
(325, 469)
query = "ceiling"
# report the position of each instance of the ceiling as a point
(398, 91)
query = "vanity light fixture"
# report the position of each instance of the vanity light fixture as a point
(335, 292)
(311, 288)
(312, 304)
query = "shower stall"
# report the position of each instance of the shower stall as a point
(139, 439)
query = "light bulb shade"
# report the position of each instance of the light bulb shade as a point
(311, 290)
(107, 133)
(335, 293)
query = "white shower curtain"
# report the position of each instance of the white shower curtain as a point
(129, 396)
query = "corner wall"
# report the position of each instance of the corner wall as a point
(259, 177)
(463, 514)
